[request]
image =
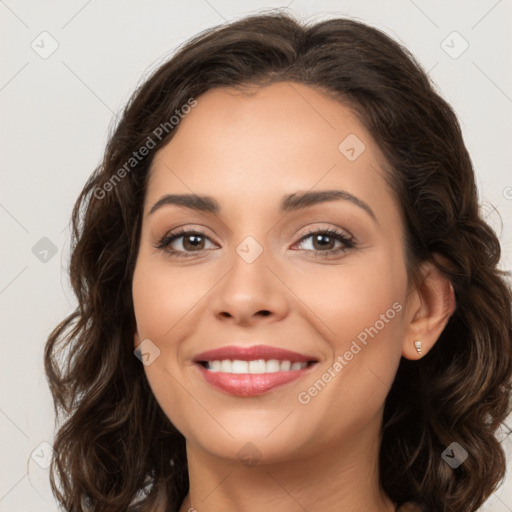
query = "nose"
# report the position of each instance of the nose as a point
(250, 292)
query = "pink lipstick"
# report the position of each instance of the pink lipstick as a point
(250, 371)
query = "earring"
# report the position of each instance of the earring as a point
(417, 344)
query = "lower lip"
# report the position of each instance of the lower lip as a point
(251, 384)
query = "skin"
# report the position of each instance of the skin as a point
(247, 152)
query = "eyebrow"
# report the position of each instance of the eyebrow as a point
(292, 202)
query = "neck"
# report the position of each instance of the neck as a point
(347, 475)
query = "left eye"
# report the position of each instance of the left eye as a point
(324, 240)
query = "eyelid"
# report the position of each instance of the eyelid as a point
(331, 229)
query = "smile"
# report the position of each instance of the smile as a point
(250, 371)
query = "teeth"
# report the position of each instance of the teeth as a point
(215, 366)
(272, 366)
(253, 367)
(238, 366)
(285, 366)
(257, 366)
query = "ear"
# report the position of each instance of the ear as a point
(430, 306)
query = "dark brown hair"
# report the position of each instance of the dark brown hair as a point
(116, 449)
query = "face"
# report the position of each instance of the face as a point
(270, 270)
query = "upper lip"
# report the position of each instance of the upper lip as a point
(254, 352)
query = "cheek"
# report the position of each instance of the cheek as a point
(361, 308)
(353, 297)
(350, 389)
(163, 297)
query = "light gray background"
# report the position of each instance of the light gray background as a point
(56, 114)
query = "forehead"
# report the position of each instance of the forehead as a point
(251, 148)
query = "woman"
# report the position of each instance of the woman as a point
(285, 231)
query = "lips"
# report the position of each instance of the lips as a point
(249, 371)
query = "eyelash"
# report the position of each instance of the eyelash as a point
(347, 241)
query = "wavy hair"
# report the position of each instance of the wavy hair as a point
(115, 448)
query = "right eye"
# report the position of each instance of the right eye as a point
(192, 241)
